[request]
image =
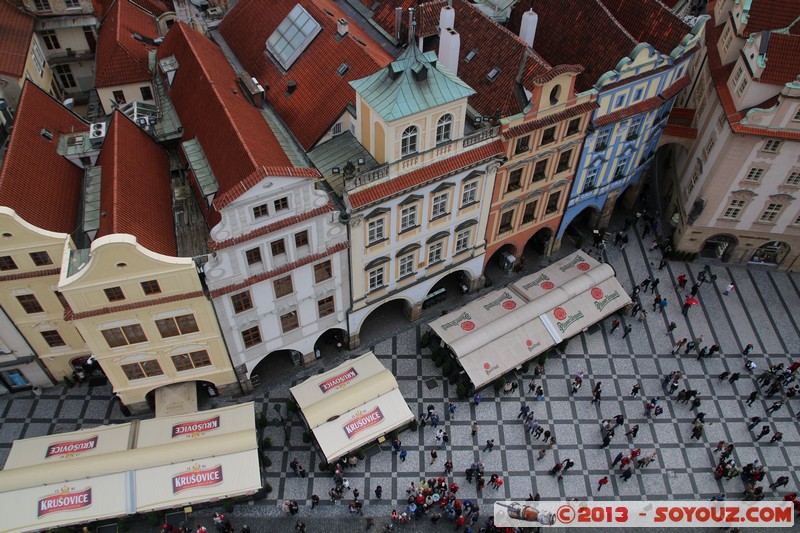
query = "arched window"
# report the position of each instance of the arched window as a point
(555, 94)
(443, 128)
(409, 141)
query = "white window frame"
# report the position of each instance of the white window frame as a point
(796, 117)
(469, 195)
(793, 179)
(375, 278)
(444, 128)
(406, 265)
(709, 146)
(738, 75)
(771, 146)
(436, 252)
(337, 129)
(409, 141)
(771, 212)
(376, 231)
(408, 217)
(742, 86)
(602, 139)
(439, 205)
(590, 181)
(735, 209)
(463, 240)
(755, 174)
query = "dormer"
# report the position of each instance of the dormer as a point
(413, 105)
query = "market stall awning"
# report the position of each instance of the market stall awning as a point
(194, 426)
(483, 312)
(536, 285)
(351, 405)
(589, 307)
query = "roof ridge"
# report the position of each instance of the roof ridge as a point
(616, 22)
(503, 29)
(213, 84)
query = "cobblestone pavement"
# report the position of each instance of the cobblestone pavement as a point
(763, 310)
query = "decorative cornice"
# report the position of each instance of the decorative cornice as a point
(31, 274)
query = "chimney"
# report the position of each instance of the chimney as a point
(527, 30)
(447, 18)
(398, 21)
(411, 24)
(449, 45)
(291, 85)
(341, 27)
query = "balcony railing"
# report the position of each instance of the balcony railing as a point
(69, 56)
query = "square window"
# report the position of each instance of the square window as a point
(376, 278)
(151, 287)
(514, 180)
(179, 325)
(523, 145)
(793, 180)
(540, 170)
(289, 321)
(323, 271)
(462, 240)
(439, 205)
(326, 306)
(278, 248)
(741, 88)
(301, 239)
(637, 95)
(241, 302)
(114, 337)
(143, 369)
(42, 6)
(772, 146)
(147, 93)
(187, 324)
(283, 286)
(29, 303)
(134, 334)
(133, 371)
(549, 135)
(435, 252)
(50, 39)
(260, 211)
(620, 101)
(253, 256)
(375, 231)
(188, 361)
(633, 129)
(251, 337)
(114, 294)
(119, 97)
(529, 214)
(7, 263)
(552, 202)
(755, 175)
(408, 217)
(53, 338)
(41, 258)
(167, 328)
(407, 265)
(734, 209)
(470, 193)
(281, 204)
(771, 213)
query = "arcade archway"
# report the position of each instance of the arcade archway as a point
(719, 247)
(770, 254)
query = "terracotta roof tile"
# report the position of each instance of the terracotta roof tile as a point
(32, 165)
(783, 59)
(649, 21)
(440, 169)
(121, 59)
(288, 267)
(550, 119)
(16, 31)
(70, 315)
(321, 95)
(31, 274)
(234, 136)
(770, 15)
(644, 105)
(257, 176)
(269, 228)
(135, 190)
(685, 132)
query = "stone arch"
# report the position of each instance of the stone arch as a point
(720, 246)
(771, 253)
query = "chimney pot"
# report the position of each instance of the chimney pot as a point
(342, 27)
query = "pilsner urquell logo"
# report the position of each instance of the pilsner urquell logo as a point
(458, 320)
(197, 477)
(563, 321)
(488, 368)
(362, 421)
(195, 427)
(71, 448)
(66, 499)
(338, 381)
(603, 299)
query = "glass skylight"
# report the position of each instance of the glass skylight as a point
(292, 36)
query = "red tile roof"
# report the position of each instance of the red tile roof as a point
(32, 166)
(135, 190)
(440, 169)
(783, 59)
(321, 95)
(288, 267)
(561, 116)
(770, 15)
(649, 22)
(269, 228)
(16, 31)
(31, 274)
(256, 177)
(121, 59)
(234, 136)
(685, 132)
(427, 16)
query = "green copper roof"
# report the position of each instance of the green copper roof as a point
(411, 83)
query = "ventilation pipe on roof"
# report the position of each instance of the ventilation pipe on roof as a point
(398, 21)
(342, 27)
(449, 46)
(447, 18)
(411, 26)
(291, 85)
(527, 30)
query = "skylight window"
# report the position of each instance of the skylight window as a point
(493, 74)
(292, 36)
(471, 55)
(343, 68)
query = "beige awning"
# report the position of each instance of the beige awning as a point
(470, 319)
(587, 308)
(539, 283)
(196, 426)
(351, 405)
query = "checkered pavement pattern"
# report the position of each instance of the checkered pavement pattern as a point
(763, 310)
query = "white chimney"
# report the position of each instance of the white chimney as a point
(447, 18)
(527, 30)
(341, 27)
(449, 45)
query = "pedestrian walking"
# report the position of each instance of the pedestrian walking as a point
(777, 437)
(723, 376)
(614, 325)
(673, 387)
(523, 410)
(728, 289)
(474, 428)
(314, 500)
(753, 397)
(434, 456)
(754, 420)
(654, 285)
(542, 453)
(645, 283)
(671, 327)
(656, 302)
(678, 346)
(662, 264)
(451, 409)
(720, 446)
(378, 492)
(626, 474)
(682, 281)
(685, 308)
(602, 483)
(617, 459)
(689, 347)
(477, 398)
(775, 406)
(780, 482)
(697, 432)
(627, 330)
(606, 441)
(396, 444)
(596, 396)
(747, 349)
(448, 467)
(734, 378)
(635, 389)
(402, 456)
(764, 432)
(556, 469)
(489, 445)
(695, 289)
(633, 431)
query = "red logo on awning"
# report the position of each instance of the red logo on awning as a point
(559, 313)
(597, 293)
(583, 266)
(547, 285)
(339, 380)
(71, 447)
(509, 305)
(197, 477)
(363, 422)
(64, 500)
(528, 342)
(195, 427)
(469, 325)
